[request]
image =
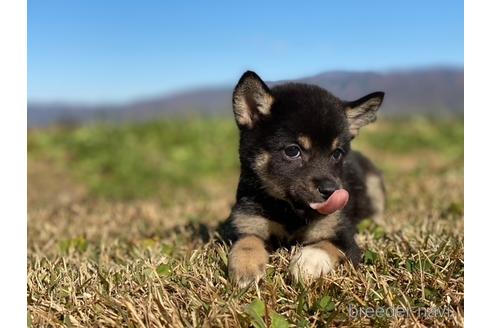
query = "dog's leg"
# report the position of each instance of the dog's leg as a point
(248, 257)
(247, 260)
(315, 260)
(376, 194)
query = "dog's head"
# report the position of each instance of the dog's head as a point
(295, 137)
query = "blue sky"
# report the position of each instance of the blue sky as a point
(105, 51)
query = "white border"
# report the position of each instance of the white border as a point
(13, 179)
(478, 162)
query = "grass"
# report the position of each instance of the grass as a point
(121, 232)
(134, 160)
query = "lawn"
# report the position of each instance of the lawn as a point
(121, 226)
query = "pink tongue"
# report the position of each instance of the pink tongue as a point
(336, 202)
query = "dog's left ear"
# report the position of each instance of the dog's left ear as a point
(251, 100)
(363, 111)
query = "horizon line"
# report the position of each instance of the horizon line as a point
(191, 88)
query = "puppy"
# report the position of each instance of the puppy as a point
(300, 182)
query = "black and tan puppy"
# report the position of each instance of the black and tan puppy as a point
(300, 182)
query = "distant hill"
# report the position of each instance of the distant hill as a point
(435, 91)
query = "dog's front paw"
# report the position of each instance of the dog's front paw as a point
(314, 261)
(247, 261)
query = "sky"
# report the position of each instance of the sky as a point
(116, 51)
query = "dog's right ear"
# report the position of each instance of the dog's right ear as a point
(251, 100)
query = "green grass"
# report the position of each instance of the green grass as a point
(136, 160)
(417, 134)
(118, 217)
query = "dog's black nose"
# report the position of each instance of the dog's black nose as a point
(326, 188)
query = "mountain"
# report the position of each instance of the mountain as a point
(432, 91)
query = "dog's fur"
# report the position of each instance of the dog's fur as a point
(274, 191)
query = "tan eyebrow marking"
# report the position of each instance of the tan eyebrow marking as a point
(304, 141)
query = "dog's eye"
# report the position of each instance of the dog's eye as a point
(292, 151)
(337, 154)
